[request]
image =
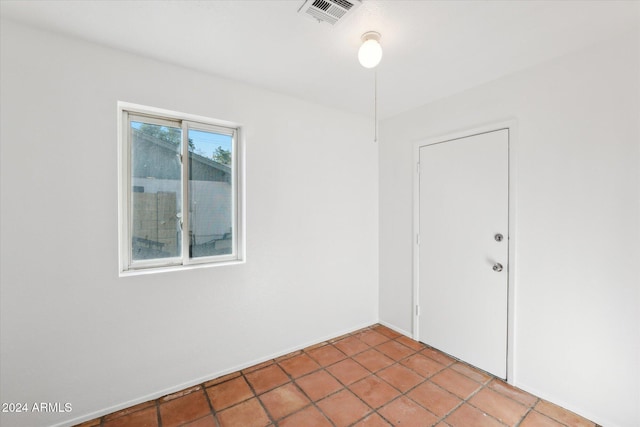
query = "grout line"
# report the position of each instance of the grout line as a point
(255, 395)
(468, 402)
(311, 401)
(483, 385)
(395, 362)
(344, 387)
(526, 414)
(211, 409)
(159, 418)
(321, 368)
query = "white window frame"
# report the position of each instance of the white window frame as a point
(127, 112)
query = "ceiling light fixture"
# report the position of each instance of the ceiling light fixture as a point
(369, 55)
(370, 52)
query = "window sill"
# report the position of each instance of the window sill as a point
(170, 269)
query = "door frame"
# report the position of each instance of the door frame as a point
(511, 126)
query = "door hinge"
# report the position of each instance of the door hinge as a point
(417, 310)
(418, 168)
(418, 239)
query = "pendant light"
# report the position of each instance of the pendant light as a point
(369, 55)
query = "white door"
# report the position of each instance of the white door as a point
(463, 248)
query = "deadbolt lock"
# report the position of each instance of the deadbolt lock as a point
(498, 237)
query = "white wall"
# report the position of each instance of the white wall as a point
(578, 235)
(72, 331)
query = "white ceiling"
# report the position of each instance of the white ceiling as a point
(432, 49)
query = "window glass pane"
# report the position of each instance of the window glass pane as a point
(210, 194)
(156, 193)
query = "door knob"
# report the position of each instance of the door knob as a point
(497, 267)
(498, 237)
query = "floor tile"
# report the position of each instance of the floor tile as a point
(395, 350)
(313, 347)
(388, 332)
(207, 421)
(400, 377)
(435, 399)
(343, 408)
(348, 371)
(456, 383)
(373, 420)
(308, 417)
(499, 406)
(405, 412)
(536, 419)
(562, 415)
(222, 379)
(327, 355)
(144, 418)
(258, 366)
(351, 345)
(299, 365)
(246, 414)
(373, 360)
(473, 373)
(422, 365)
(413, 344)
(284, 401)
(514, 393)
(372, 338)
(341, 337)
(267, 378)
(467, 416)
(288, 356)
(130, 410)
(184, 409)
(229, 393)
(438, 356)
(374, 391)
(318, 385)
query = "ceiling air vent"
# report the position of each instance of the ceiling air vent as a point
(331, 11)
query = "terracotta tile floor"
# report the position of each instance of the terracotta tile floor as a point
(371, 377)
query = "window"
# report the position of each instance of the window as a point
(180, 190)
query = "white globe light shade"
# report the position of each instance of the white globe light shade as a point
(370, 53)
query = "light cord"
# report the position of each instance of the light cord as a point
(375, 105)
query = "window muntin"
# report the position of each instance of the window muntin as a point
(178, 212)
